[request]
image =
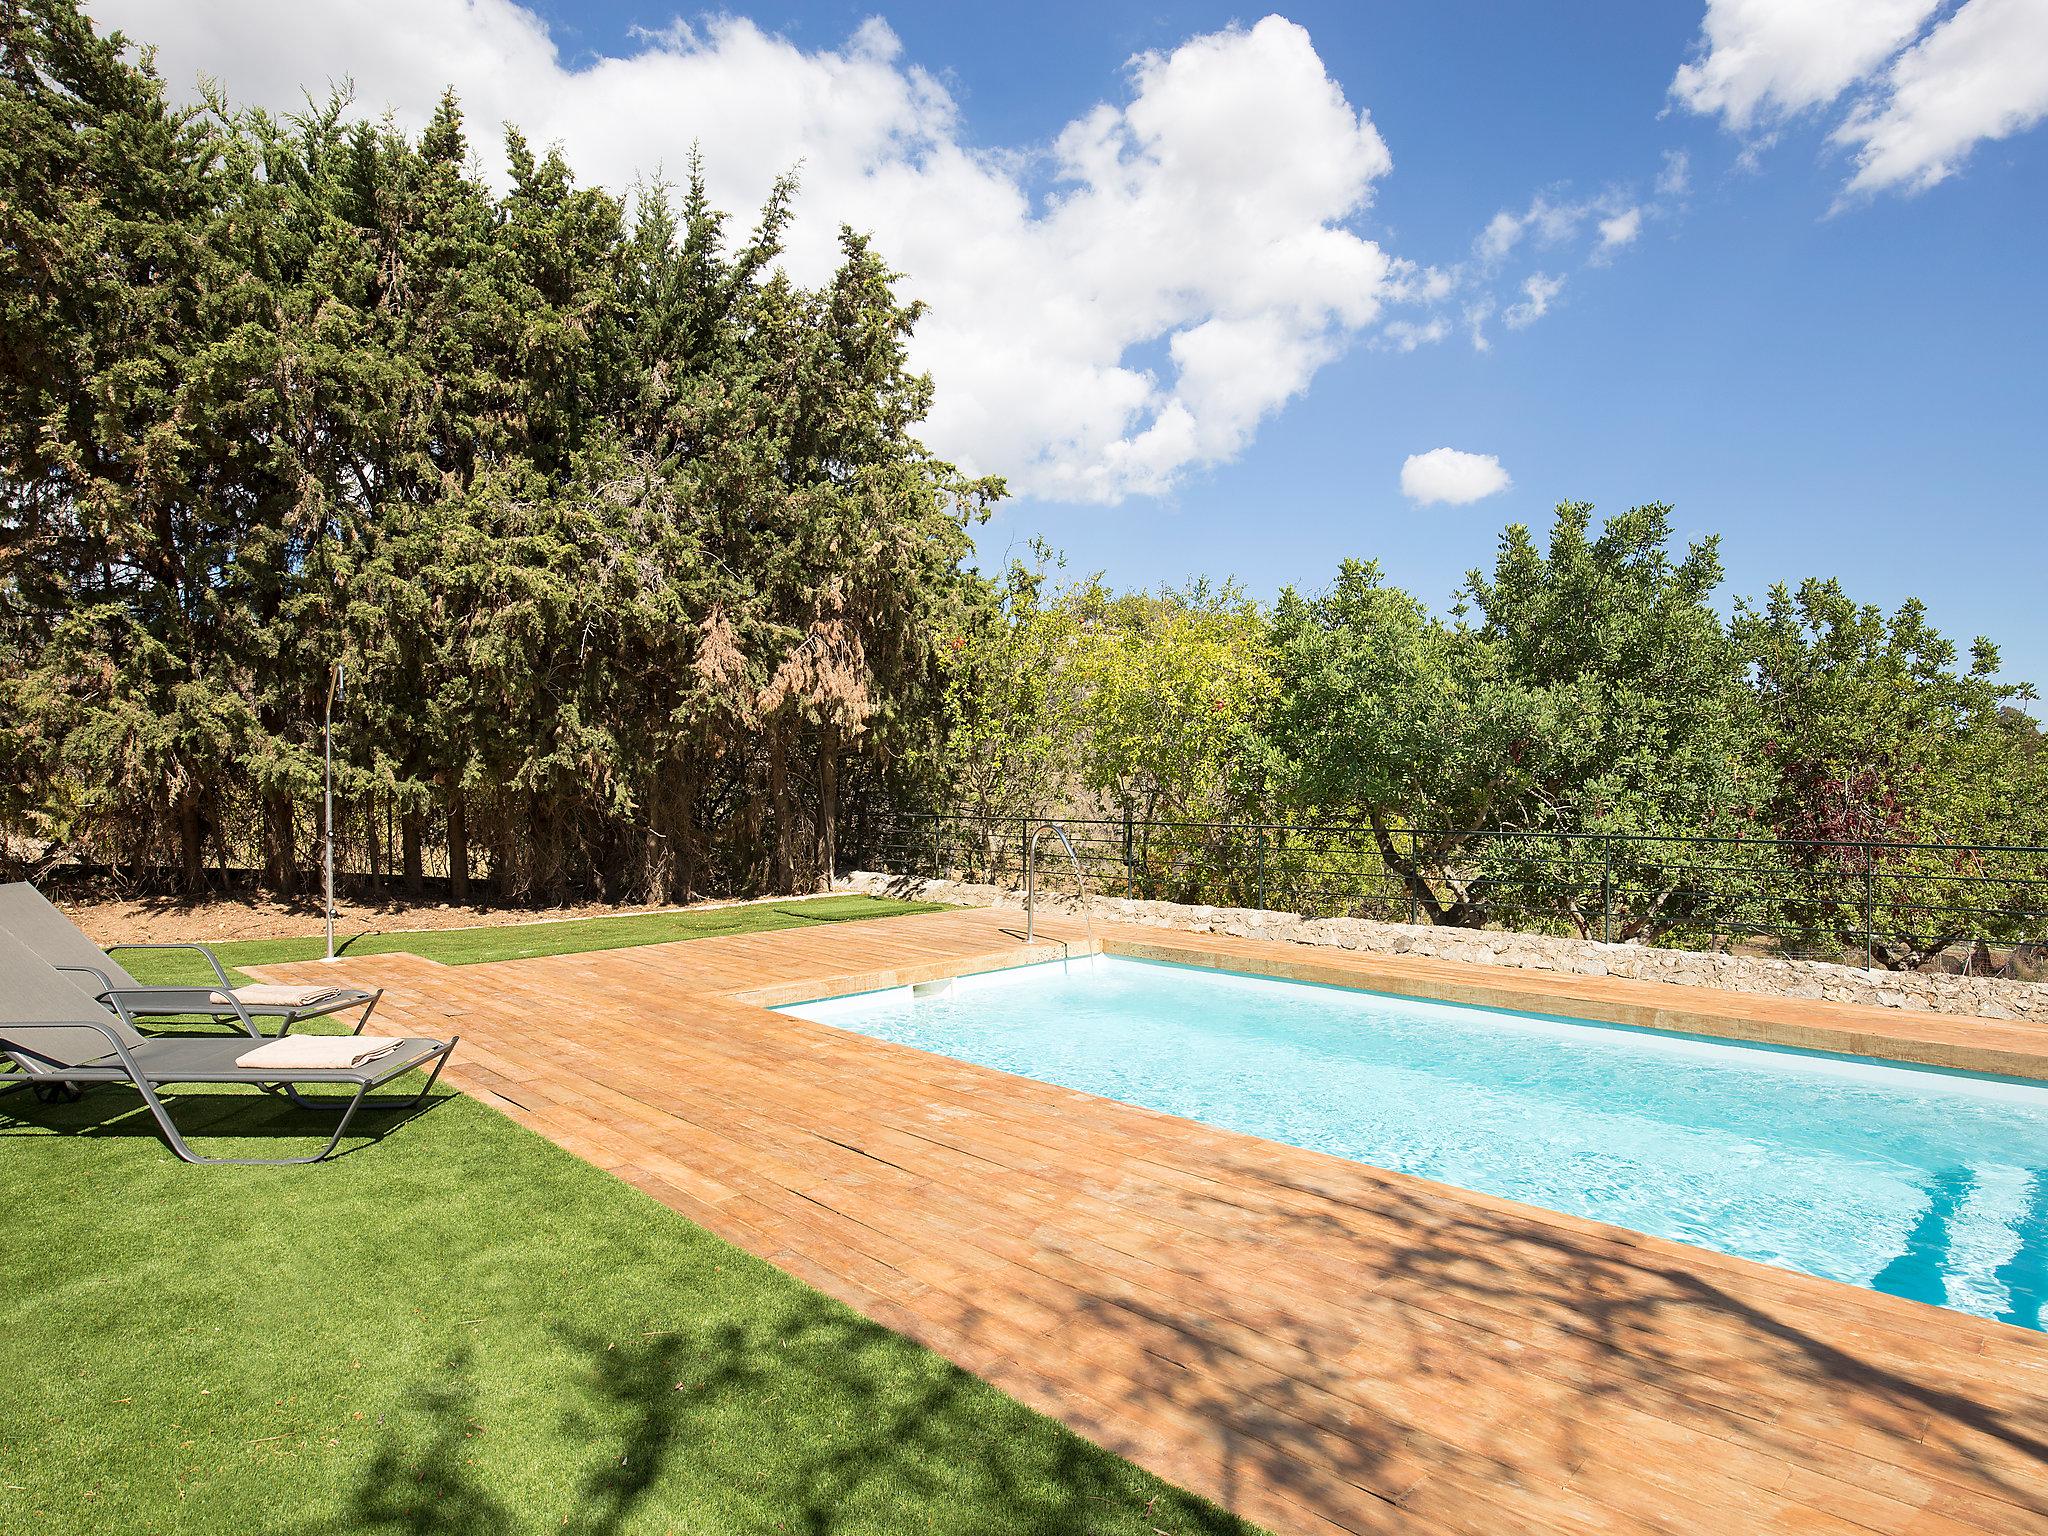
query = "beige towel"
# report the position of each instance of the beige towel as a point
(270, 995)
(317, 1053)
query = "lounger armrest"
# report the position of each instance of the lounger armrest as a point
(142, 1002)
(123, 1002)
(443, 1049)
(17, 1031)
(15, 1027)
(106, 982)
(198, 949)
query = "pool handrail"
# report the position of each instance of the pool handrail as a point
(1031, 880)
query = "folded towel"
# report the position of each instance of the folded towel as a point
(317, 1053)
(269, 995)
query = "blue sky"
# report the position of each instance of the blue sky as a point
(1841, 383)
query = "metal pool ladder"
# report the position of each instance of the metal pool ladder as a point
(1031, 879)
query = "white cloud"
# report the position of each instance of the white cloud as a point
(1621, 229)
(1925, 82)
(1450, 476)
(1552, 219)
(1204, 216)
(1981, 74)
(1424, 285)
(1675, 179)
(1477, 313)
(1407, 335)
(1487, 284)
(1546, 221)
(1502, 234)
(1538, 289)
(1761, 59)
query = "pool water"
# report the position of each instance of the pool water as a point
(1926, 1184)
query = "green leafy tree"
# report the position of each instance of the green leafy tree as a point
(148, 499)
(1138, 710)
(1633, 734)
(1384, 713)
(1173, 682)
(1012, 743)
(1586, 701)
(640, 570)
(1876, 737)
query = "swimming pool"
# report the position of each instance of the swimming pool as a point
(1921, 1183)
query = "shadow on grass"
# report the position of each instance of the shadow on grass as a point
(817, 1423)
(423, 1480)
(203, 1114)
(644, 1397)
(825, 1422)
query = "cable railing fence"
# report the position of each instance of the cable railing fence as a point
(1894, 905)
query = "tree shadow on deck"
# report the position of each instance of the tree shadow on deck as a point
(1443, 1358)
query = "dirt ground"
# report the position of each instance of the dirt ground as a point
(169, 919)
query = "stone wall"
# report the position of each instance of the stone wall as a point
(1980, 996)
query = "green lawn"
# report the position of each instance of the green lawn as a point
(521, 941)
(458, 1328)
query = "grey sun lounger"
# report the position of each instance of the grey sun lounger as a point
(60, 1042)
(27, 913)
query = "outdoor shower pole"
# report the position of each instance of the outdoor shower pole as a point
(334, 684)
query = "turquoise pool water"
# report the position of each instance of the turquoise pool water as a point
(1932, 1185)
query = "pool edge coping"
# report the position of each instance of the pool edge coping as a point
(1666, 1007)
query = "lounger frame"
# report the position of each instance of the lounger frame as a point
(44, 928)
(160, 1002)
(130, 1066)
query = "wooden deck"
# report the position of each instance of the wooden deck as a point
(1320, 1345)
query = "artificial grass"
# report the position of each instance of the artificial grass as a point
(457, 1327)
(521, 941)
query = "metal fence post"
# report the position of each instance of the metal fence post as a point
(1130, 869)
(1868, 917)
(1413, 875)
(1606, 890)
(1261, 835)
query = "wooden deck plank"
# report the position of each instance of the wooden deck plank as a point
(1322, 1345)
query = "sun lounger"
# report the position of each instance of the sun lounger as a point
(58, 1042)
(29, 916)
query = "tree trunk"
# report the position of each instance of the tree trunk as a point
(547, 832)
(655, 879)
(191, 843)
(508, 881)
(375, 850)
(828, 807)
(458, 848)
(410, 836)
(750, 847)
(686, 839)
(778, 791)
(280, 845)
(1460, 913)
